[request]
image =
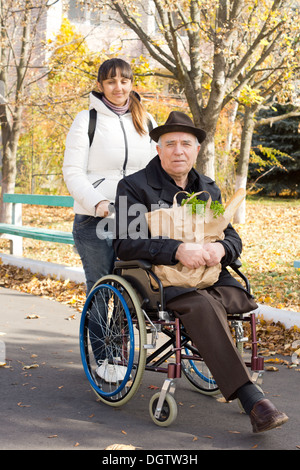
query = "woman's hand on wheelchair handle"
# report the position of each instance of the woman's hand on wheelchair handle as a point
(102, 209)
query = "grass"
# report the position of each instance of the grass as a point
(271, 239)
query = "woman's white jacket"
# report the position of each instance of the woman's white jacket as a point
(92, 173)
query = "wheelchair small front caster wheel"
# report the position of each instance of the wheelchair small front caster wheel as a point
(168, 412)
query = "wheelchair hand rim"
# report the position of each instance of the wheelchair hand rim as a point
(197, 371)
(81, 339)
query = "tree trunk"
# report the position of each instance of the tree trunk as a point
(8, 173)
(206, 160)
(243, 163)
(211, 114)
(18, 40)
(231, 121)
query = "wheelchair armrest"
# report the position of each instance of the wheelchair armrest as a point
(144, 264)
(133, 264)
(236, 264)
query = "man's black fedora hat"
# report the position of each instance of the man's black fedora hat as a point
(178, 122)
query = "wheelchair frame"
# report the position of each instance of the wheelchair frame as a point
(138, 310)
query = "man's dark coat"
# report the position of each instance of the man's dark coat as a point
(152, 186)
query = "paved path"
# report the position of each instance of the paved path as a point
(52, 406)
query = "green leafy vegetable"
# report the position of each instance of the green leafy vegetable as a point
(197, 206)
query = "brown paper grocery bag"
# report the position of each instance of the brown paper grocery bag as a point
(178, 223)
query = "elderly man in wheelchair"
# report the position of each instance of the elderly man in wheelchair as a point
(127, 308)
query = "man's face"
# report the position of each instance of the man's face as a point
(178, 153)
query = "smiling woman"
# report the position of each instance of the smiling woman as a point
(121, 145)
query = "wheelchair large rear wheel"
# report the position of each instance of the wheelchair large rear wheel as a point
(196, 371)
(112, 339)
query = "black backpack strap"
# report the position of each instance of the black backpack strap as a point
(150, 125)
(92, 124)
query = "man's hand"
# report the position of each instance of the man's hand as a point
(216, 251)
(194, 255)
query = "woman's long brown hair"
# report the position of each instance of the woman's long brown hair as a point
(109, 70)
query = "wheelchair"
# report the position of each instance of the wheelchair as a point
(126, 330)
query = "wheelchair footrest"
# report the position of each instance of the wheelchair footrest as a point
(257, 377)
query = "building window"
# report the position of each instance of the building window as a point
(79, 13)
